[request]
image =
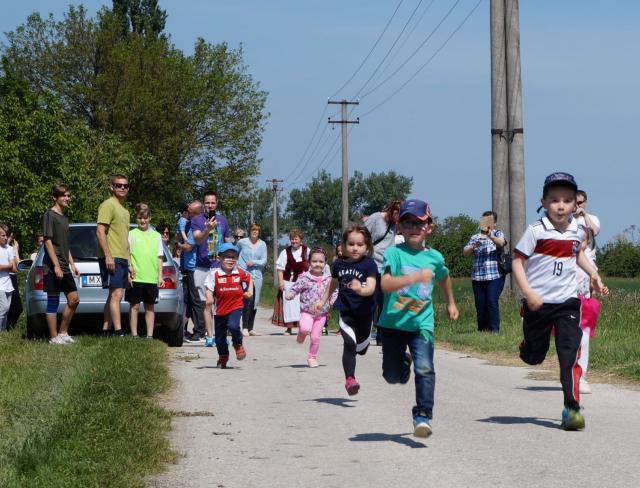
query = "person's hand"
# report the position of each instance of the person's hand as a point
(210, 223)
(355, 285)
(579, 212)
(290, 295)
(281, 285)
(249, 263)
(452, 311)
(160, 282)
(477, 244)
(534, 301)
(425, 275)
(317, 307)
(129, 280)
(58, 272)
(75, 271)
(110, 264)
(598, 286)
(132, 272)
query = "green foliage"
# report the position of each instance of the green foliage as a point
(450, 237)
(140, 16)
(375, 191)
(621, 257)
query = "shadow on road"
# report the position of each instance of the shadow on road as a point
(340, 402)
(381, 437)
(540, 388)
(521, 420)
(296, 366)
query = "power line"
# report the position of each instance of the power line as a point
(455, 31)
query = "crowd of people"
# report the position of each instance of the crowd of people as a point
(382, 275)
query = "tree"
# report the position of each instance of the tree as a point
(450, 237)
(621, 257)
(140, 16)
(375, 191)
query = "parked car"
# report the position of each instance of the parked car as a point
(83, 245)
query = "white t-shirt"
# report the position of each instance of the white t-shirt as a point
(7, 255)
(550, 257)
(281, 262)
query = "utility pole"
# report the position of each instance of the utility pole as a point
(507, 152)
(275, 190)
(345, 157)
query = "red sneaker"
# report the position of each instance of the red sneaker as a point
(240, 352)
(352, 386)
(222, 362)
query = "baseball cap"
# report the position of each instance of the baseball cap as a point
(417, 208)
(227, 246)
(560, 178)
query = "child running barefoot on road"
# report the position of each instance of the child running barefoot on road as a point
(354, 275)
(227, 285)
(551, 248)
(311, 287)
(407, 320)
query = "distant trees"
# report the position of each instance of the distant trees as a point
(449, 237)
(621, 257)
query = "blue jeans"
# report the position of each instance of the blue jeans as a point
(224, 323)
(487, 298)
(396, 369)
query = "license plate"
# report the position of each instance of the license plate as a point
(89, 281)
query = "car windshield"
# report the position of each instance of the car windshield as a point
(83, 243)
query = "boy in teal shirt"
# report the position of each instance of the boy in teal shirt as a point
(407, 317)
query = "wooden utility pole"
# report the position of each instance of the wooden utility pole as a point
(275, 190)
(345, 158)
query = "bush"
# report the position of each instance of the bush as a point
(450, 237)
(620, 258)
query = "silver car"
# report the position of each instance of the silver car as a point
(83, 245)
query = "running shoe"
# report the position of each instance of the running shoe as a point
(312, 362)
(572, 419)
(66, 338)
(58, 340)
(287, 332)
(222, 362)
(240, 352)
(352, 386)
(208, 341)
(118, 333)
(585, 389)
(253, 333)
(245, 332)
(422, 426)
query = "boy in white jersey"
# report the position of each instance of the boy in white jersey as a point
(545, 270)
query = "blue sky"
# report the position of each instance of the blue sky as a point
(580, 77)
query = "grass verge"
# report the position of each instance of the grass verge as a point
(82, 415)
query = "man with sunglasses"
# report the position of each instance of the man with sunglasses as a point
(113, 251)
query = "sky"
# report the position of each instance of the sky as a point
(580, 79)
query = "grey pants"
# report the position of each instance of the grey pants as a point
(5, 304)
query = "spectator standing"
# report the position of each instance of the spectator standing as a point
(486, 279)
(252, 258)
(113, 251)
(39, 242)
(237, 235)
(201, 226)
(220, 232)
(181, 224)
(15, 310)
(165, 233)
(59, 268)
(7, 265)
(589, 222)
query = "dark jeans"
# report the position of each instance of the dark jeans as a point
(248, 311)
(193, 303)
(224, 323)
(396, 368)
(487, 298)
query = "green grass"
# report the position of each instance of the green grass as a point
(82, 415)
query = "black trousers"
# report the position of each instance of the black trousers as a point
(193, 303)
(15, 309)
(537, 325)
(248, 311)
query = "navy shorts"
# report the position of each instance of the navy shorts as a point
(119, 278)
(55, 286)
(146, 293)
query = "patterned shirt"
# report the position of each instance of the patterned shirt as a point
(311, 288)
(485, 257)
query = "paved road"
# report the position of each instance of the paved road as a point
(270, 421)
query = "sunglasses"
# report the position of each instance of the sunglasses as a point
(122, 186)
(415, 224)
(580, 202)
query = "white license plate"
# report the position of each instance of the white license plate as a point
(89, 281)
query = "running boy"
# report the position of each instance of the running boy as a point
(58, 266)
(226, 285)
(409, 271)
(551, 248)
(145, 245)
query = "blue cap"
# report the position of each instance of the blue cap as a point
(417, 208)
(227, 246)
(560, 178)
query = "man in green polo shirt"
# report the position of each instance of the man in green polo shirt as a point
(113, 252)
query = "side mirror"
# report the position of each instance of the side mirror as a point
(25, 265)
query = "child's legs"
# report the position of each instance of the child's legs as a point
(316, 333)
(53, 301)
(133, 318)
(356, 332)
(149, 318)
(306, 324)
(233, 324)
(583, 361)
(395, 368)
(220, 324)
(480, 299)
(536, 326)
(568, 337)
(425, 374)
(5, 305)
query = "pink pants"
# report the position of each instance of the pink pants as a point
(311, 325)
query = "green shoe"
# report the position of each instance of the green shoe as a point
(572, 419)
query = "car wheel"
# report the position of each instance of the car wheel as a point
(174, 338)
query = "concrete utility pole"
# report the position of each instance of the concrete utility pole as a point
(275, 190)
(507, 150)
(345, 158)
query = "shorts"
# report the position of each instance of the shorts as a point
(142, 292)
(119, 278)
(55, 286)
(199, 277)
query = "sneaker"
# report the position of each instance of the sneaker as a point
(245, 332)
(222, 362)
(585, 389)
(118, 333)
(208, 341)
(58, 340)
(149, 337)
(194, 338)
(572, 419)
(287, 332)
(240, 352)
(407, 359)
(312, 362)
(352, 386)
(422, 426)
(66, 338)
(325, 331)
(300, 338)
(104, 333)
(254, 333)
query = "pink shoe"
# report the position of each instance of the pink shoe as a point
(300, 338)
(312, 362)
(352, 386)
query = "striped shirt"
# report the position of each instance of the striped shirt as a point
(551, 259)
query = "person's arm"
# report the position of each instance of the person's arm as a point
(261, 260)
(534, 301)
(365, 289)
(11, 265)
(200, 235)
(72, 266)
(296, 288)
(446, 285)
(498, 241)
(249, 293)
(51, 252)
(328, 291)
(596, 282)
(390, 283)
(160, 279)
(281, 279)
(471, 246)
(101, 234)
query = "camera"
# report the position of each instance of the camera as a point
(212, 214)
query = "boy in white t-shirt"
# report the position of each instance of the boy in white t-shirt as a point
(545, 270)
(7, 265)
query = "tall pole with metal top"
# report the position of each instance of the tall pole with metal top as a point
(275, 190)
